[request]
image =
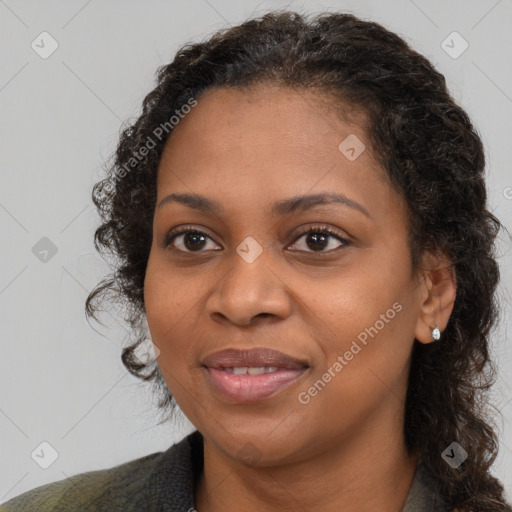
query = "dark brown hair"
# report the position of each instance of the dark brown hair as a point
(431, 154)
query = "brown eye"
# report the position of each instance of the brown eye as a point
(187, 240)
(320, 240)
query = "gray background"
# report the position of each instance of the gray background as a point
(61, 381)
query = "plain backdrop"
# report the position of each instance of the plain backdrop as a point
(63, 383)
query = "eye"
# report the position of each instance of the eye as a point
(318, 237)
(188, 238)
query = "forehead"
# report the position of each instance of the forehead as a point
(265, 124)
(266, 114)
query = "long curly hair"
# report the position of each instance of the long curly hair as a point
(433, 157)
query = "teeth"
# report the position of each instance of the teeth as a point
(253, 370)
(256, 371)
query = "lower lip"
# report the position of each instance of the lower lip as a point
(251, 388)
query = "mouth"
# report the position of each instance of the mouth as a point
(252, 375)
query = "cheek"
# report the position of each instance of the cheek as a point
(166, 307)
(368, 321)
(166, 294)
(173, 304)
(156, 301)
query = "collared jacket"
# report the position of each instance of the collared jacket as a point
(159, 482)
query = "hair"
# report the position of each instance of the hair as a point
(431, 154)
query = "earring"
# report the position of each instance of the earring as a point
(436, 333)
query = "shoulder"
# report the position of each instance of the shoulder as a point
(107, 489)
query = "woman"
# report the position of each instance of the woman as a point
(299, 214)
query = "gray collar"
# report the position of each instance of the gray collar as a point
(422, 496)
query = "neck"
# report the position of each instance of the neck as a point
(369, 470)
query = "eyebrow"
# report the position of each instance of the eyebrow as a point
(281, 208)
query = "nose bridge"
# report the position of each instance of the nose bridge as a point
(250, 287)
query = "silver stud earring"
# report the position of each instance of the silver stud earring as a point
(436, 333)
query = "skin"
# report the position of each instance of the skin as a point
(247, 149)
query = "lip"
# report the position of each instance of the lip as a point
(232, 357)
(252, 388)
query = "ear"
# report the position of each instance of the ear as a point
(438, 289)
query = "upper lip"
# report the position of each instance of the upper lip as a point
(257, 357)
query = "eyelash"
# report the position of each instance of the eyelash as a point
(316, 229)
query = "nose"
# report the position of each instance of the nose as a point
(248, 291)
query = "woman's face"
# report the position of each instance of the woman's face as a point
(342, 306)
